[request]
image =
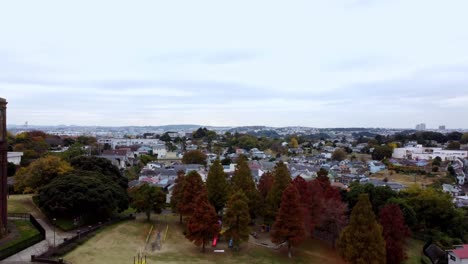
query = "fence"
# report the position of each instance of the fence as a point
(15, 248)
(70, 243)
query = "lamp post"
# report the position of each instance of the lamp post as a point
(55, 219)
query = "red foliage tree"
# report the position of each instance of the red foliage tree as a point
(304, 192)
(265, 183)
(315, 204)
(203, 224)
(193, 187)
(289, 224)
(395, 233)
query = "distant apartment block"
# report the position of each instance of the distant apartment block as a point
(421, 127)
(421, 153)
(442, 127)
(127, 142)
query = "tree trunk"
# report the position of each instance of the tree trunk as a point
(203, 246)
(148, 215)
(180, 218)
(289, 250)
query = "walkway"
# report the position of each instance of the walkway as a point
(41, 247)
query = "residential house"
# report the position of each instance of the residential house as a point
(376, 166)
(459, 255)
(14, 157)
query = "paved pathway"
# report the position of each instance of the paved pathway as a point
(41, 247)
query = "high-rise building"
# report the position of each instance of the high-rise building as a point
(442, 127)
(3, 166)
(421, 126)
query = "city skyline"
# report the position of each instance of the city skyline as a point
(345, 63)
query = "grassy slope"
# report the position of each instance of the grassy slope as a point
(20, 203)
(120, 243)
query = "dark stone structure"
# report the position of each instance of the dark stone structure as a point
(3, 165)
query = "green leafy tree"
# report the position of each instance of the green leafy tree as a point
(361, 242)
(217, 186)
(83, 193)
(203, 223)
(282, 178)
(146, 198)
(382, 152)
(194, 157)
(73, 151)
(453, 145)
(237, 218)
(101, 165)
(289, 223)
(39, 173)
(339, 154)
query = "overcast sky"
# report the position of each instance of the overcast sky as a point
(328, 63)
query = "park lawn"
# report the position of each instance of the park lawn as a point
(20, 204)
(414, 251)
(405, 179)
(26, 231)
(122, 242)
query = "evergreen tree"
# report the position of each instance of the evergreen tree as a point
(361, 242)
(203, 223)
(178, 193)
(216, 186)
(237, 218)
(395, 233)
(289, 224)
(193, 188)
(281, 182)
(243, 180)
(147, 198)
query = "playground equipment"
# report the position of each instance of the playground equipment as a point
(139, 258)
(215, 241)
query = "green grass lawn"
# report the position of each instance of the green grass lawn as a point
(414, 250)
(121, 242)
(26, 231)
(20, 203)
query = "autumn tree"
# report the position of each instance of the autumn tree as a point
(193, 187)
(294, 143)
(203, 223)
(194, 157)
(362, 241)
(339, 154)
(281, 182)
(243, 180)
(395, 233)
(264, 186)
(147, 199)
(177, 193)
(216, 186)
(39, 173)
(289, 223)
(333, 219)
(305, 197)
(237, 218)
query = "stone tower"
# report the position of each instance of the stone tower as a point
(3, 166)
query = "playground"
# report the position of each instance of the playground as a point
(162, 241)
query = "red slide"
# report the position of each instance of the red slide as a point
(215, 241)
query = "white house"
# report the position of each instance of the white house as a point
(15, 157)
(160, 149)
(459, 255)
(421, 153)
